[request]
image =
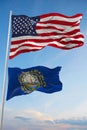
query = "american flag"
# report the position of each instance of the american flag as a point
(52, 29)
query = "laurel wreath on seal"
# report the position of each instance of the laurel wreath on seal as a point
(37, 80)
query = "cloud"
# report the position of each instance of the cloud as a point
(22, 118)
(35, 120)
(79, 122)
(77, 128)
(48, 121)
(25, 123)
(71, 121)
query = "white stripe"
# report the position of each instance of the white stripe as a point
(69, 29)
(41, 31)
(70, 45)
(71, 39)
(61, 18)
(35, 37)
(51, 24)
(36, 44)
(23, 48)
(55, 25)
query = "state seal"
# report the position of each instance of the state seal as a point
(31, 80)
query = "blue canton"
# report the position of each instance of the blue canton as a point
(24, 25)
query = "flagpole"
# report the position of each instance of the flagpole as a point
(5, 73)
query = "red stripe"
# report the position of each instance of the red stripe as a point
(52, 45)
(44, 40)
(65, 48)
(57, 33)
(78, 36)
(58, 22)
(48, 27)
(61, 15)
(56, 40)
(28, 45)
(38, 27)
(72, 42)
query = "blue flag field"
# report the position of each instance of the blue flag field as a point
(39, 78)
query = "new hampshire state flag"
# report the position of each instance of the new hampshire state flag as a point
(39, 78)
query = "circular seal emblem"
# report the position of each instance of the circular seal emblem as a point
(31, 80)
